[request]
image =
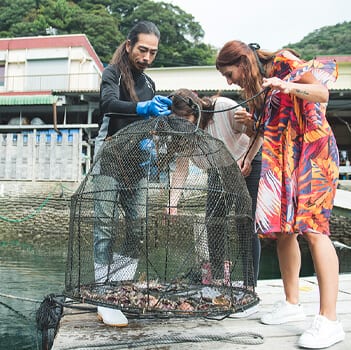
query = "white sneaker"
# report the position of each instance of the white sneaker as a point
(112, 317)
(246, 312)
(322, 334)
(284, 312)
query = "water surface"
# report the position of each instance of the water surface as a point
(28, 276)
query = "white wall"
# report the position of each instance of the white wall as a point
(194, 78)
(208, 78)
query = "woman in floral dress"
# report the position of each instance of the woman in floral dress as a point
(287, 100)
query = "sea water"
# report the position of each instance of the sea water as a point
(27, 276)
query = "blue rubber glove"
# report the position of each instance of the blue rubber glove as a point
(157, 107)
(148, 146)
(149, 153)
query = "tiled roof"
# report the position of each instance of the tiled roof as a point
(22, 100)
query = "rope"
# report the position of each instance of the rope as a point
(51, 297)
(49, 313)
(25, 318)
(198, 108)
(19, 298)
(15, 311)
(29, 216)
(36, 211)
(247, 338)
(346, 123)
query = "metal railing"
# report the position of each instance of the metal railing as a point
(64, 82)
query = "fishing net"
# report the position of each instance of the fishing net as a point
(161, 226)
(35, 216)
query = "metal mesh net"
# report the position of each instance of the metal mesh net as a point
(128, 247)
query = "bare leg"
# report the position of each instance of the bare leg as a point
(326, 265)
(289, 256)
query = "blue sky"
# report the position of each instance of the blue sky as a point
(271, 23)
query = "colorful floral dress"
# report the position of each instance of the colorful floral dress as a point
(300, 160)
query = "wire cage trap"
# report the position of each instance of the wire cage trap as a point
(161, 226)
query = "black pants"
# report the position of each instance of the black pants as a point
(219, 205)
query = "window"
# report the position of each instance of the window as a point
(48, 74)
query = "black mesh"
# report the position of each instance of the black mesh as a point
(126, 251)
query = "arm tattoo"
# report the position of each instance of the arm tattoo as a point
(301, 92)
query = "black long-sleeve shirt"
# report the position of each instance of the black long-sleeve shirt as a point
(115, 99)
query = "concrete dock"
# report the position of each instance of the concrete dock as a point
(84, 331)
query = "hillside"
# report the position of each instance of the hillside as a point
(329, 40)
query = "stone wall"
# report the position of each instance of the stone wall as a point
(39, 213)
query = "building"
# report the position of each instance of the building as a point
(48, 107)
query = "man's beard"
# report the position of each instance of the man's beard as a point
(141, 65)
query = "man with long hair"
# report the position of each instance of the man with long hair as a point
(127, 95)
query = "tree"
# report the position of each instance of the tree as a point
(181, 36)
(102, 31)
(14, 12)
(328, 40)
(101, 28)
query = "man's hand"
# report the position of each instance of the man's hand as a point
(157, 107)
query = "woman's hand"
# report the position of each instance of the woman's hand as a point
(170, 211)
(277, 84)
(245, 166)
(306, 87)
(244, 121)
(169, 215)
